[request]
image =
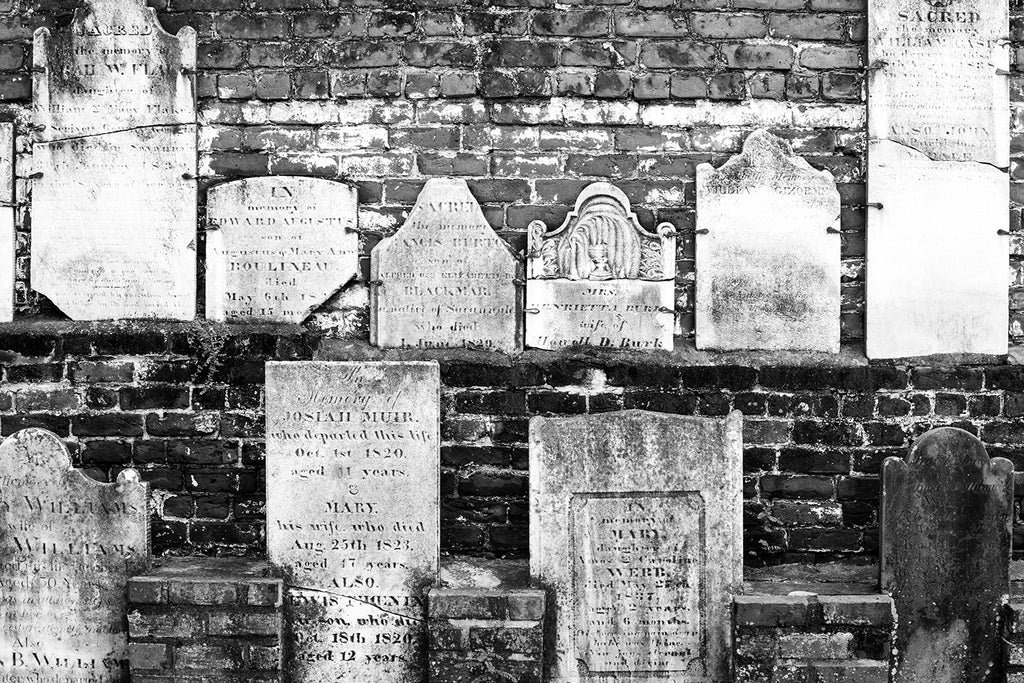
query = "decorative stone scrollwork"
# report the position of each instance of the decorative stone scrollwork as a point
(601, 239)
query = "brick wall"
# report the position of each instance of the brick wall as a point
(529, 102)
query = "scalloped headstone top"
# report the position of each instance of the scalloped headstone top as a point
(767, 252)
(114, 68)
(68, 546)
(601, 239)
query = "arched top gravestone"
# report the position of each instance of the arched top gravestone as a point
(67, 547)
(947, 515)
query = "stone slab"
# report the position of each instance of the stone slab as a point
(767, 252)
(938, 81)
(113, 224)
(636, 532)
(8, 237)
(445, 279)
(113, 69)
(937, 262)
(946, 529)
(353, 511)
(277, 247)
(600, 279)
(68, 546)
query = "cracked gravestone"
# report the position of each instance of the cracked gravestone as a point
(947, 515)
(445, 279)
(68, 545)
(938, 152)
(600, 279)
(114, 200)
(353, 509)
(636, 532)
(277, 247)
(8, 237)
(767, 252)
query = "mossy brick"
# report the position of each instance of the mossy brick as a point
(525, 605)
(146, 591)
(857, 610)
(772, 611)
(815, 645)
(202, 592)
(164, 624)
(149, 656)
(208, 657)
(263, 657)
(501, 638)
(264, 593)
(236, 623)
(467, 604)
(851, 671)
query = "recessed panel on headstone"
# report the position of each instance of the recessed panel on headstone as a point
(636, 530)
(68, 545)
(353, 510)
(936, 260)
(768, 261)
(445, 279)
(114, 196)
(8, 238)
(277, 247)
(937, 81)
(946, 529)
(600, 279)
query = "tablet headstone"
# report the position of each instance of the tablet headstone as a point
(353, 509)
(68, 545)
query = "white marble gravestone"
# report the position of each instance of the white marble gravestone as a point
(768, 263)
(445, 279)
(277, 247)
(68, 545)
(938, 192)
(353, 514)
(636, 530)
(600, 279)
(937, 265)
(114, 200)
(8, 238)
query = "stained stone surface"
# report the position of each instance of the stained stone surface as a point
(67, 547)
(951, 297)
(600, 279)
(768, 266)
(114, 68)
(935, 85)
(113, 225)
(445, 279)
(277, 247)
(114, 211)
(636, 530)
(353, 471)
(947, 514)
(7, 234)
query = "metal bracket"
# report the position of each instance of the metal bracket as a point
(832, 231)
(702, 231)
(876, 65)
(375, 283)
(666, 309)
(35, 176)
(531, 310)
(188, 176)
(1002, 232)
(874, 205)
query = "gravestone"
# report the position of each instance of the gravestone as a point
(767, 252)
(277, 247)
(938, 190)
(636, 531)
(114, 201)
(947, 515)
(445, 279)
(949, 293)
(600, 279)
(67, 547)
(353, 509)
(8, 238)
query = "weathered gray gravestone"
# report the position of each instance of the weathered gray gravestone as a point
(947, 514)
(636, 532)
(114, 203)
(277, 247)
(353, 514)
(7, 234)
(446, 279)
(67, 547)
(600, 279)
(938, 152)
(767, 251)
